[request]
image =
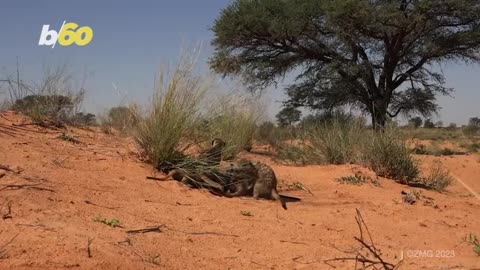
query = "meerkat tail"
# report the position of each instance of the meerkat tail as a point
(290, 198)
(277, 197)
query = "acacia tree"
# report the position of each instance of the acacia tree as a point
(288, 116)
(376, 55)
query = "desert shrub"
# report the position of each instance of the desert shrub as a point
(297, 154)
(4, 105)
(387, 154)
(268, 133)
(415, 122)
(336, 141)
(234, 120)
(434, 134)
(347, 140)
(473, 147)
(438, 178)
(265, 132)
(330, 117)
(471, 130)
(52, 101)
(451, 127)
(121, 118)
(331, 141)
(173, 112)
(428, 123)
(84, 119)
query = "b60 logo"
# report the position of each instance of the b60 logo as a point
(68, 34)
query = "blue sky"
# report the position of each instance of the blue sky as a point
(131, 40)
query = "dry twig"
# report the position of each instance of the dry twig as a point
(146, 230)
(363, 256)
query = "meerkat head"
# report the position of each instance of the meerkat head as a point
(218, 142)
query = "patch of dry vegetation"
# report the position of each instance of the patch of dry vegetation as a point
(53, 101)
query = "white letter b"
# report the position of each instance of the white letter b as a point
(47, 37)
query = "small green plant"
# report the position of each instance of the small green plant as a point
(68, 138)
(110, 222)
(352, 180)
(472, 239)
(246, 213)
(438, 179)
(300, 186)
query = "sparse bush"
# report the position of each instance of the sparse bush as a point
(428, 124)
(451, 127)
(473, 147)
(438, 179)
(471, 130)
(288, 116)
(415, 122)
(300, 154)
(266, 133)
(51, 102)
(84, 119)
(336, 141)
(173, 113)
(387, 154)
(124, 119)
(330, 140)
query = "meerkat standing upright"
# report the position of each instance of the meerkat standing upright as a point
(266, 184)
(213, 155)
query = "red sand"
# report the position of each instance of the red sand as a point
(70, 184)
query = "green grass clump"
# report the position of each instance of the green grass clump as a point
(173, 114)
(110, 222)
(438, 178)
(351, 179)
(232, 118)
(68, 138)
(387, 154)
(329, 142)
(336, 141)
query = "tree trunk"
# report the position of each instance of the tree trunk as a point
(378, 113)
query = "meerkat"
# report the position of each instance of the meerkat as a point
(253, 178)
(213, 155)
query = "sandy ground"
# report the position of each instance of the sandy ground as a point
(62, 186)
